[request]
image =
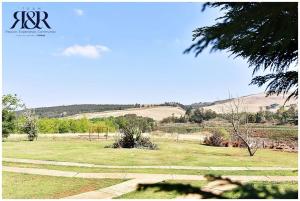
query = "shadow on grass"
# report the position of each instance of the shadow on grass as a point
(244, 191)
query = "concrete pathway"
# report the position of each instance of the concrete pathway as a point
(216, 187)
(15, 160)
(115, 190)
(137, 178)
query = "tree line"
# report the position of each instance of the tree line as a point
(284, 115)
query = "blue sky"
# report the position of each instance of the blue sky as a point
(118, 53)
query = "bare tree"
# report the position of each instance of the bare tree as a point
(238, 117)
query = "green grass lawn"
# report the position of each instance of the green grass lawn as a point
(169, 153)
(26, 186)
(172, 189)
(153, 171)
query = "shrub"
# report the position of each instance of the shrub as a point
(220, 137)
(132, 138)
(199, 115)
(172, 119)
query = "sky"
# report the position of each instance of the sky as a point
(118, 53)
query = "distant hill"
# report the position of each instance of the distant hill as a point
(68, 110)
(155, 112)
(253, 103)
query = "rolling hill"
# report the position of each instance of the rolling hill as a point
(253, 103)
(157, 113)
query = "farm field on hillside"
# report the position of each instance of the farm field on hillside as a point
(157, 113)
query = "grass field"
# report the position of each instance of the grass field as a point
(154, 171)
(169, 153)
(177, 188)
(26, 186)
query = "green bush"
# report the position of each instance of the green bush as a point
(10, 103)
(172, 119)
(132, 138)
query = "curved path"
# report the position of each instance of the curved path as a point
(59, 163)
(133, 180)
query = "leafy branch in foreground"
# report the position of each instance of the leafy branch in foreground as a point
(265, 34)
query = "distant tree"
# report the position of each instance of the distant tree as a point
(144, 124)
(188, 111)
(259, 117)
(209, 114)
(10, 103)
(287, 115)
(63, 126)
(251, 118)
(200, 115)
(30, 125)
(293, 113)
(266, 34)
(197, 116)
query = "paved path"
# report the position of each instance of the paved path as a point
(115, 190)
(141, 175)
(15, 160)
(137, 178)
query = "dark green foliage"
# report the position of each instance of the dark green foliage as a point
(266, 34)
(188, 111)
(172, 119)
(199, 115)
(10, 103)
(174, 104)
(259, 117)
(8, 123)
(132, 138)
(251, 118)
(144, 124)
(62, 111)
(289, 115)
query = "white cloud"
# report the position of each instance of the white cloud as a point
(78, 12)
(89, 51)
